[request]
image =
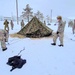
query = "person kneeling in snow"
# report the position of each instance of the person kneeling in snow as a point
(3, 38)
(16, 62)
(60, 32)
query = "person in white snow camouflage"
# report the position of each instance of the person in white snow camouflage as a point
(60, 32)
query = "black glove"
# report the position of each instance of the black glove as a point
(57, 32)
(5, 40)
(5, 34)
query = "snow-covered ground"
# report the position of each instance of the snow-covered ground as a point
(42, 58)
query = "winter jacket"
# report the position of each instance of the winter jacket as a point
(61, 26)
(6, 23)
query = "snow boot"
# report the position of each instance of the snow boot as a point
(60, 45)
(53, 44)
(4, 49)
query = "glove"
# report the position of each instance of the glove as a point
(57, 32)
(4, 34)
(6, 40)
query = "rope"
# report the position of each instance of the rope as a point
(17, 40)
(21, 51)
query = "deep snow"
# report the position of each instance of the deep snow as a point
(42, 58)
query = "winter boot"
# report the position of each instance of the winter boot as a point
(53, 44)
(4, 49)
(60, 45)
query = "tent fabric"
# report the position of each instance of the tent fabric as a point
(35, 29)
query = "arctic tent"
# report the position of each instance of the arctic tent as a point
(35, 29)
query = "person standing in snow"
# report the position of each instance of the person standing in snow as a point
(6, 27)
(70, 23)
(22, 24)
(12, 24)
(3, 39)
(73, 27)
(60, 32)
(44, 22)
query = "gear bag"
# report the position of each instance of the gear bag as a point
(16, 62)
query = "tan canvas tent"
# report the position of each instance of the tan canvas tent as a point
(35, 29)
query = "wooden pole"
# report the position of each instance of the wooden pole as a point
(17, 11)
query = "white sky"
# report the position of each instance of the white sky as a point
(65, 8)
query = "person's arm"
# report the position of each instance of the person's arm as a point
(4, 23)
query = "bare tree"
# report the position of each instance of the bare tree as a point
(27, 14)
(39, 15)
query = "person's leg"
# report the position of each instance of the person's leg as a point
(21, 27)
(54, 39)
(61, 36)
(8, 28)
(12, 27)
(5, 27)
(73, 30)
(3, 45)
(7, 36)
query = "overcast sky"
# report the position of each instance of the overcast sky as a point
(65, 8)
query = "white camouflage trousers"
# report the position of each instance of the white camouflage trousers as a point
(60, 35)
(3, 44)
